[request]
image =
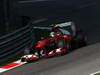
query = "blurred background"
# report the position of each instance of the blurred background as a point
(17, 13)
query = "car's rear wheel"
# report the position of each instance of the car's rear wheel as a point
(80, 40)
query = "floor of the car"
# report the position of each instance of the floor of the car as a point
(50, 48)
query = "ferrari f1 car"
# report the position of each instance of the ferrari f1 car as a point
(63, 39)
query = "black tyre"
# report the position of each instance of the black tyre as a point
(23, 60)
(80, 40)
(28, 61)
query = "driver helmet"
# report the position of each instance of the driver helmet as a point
(52, 34)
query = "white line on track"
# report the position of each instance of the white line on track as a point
(95, 73)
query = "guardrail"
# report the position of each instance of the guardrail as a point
(14, 43)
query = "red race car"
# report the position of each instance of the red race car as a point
(63, 39)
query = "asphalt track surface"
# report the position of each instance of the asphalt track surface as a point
(83, 61)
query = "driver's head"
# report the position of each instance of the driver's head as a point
(52, 34)
(54, 30)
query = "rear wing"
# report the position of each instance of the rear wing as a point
(61, 25)
(64, 24)
(55, 25)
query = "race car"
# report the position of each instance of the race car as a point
(63, 39)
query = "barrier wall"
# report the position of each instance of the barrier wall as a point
(14, 43)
